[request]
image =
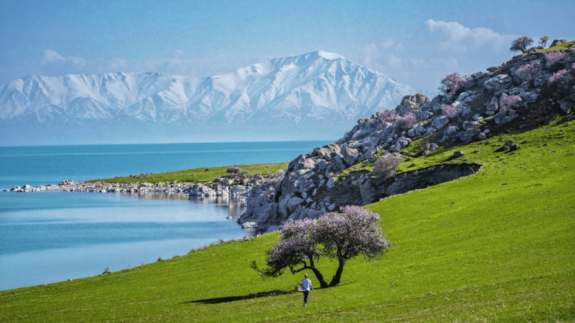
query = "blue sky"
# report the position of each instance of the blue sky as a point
(417, 42)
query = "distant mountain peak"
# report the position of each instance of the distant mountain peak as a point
(328, 55)
(318, 89)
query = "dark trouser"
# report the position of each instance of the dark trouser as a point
(305, 296)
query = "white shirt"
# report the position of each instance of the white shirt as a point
(306, 284)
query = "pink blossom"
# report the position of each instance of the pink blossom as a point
(520, 44)
(527, 71)
(388, 116)
(451, 84)
(449, 110)
(554, 57)
(340, 236)
(370, 121)
(407, 121)
(509, 102)
(557, 76)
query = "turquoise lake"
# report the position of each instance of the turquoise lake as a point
(47, 237)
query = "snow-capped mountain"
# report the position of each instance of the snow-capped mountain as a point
(317, 95)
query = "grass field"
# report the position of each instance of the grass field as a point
(497, 246)
(195, 175)
(558, 47)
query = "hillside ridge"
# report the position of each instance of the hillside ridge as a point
(523, 93)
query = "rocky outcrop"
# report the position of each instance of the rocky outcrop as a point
(359, 188)
(235, 186)
(483, 109)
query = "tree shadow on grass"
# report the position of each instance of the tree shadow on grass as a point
(219, 300)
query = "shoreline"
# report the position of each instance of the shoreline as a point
(234, 186)
(209, 189)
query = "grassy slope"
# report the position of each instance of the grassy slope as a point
(495, 246)
(558, 47)
(196, 175)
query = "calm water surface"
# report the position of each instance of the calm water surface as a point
(53, 236)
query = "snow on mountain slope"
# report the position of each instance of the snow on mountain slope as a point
(285, 91)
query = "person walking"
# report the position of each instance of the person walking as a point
(306, 284)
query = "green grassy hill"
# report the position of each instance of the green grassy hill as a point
(195, 175)
(497, 246)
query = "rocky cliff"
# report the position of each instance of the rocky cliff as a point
(523, 93)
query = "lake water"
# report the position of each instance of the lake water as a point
(53, 236)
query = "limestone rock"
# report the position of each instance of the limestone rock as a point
(439, 122)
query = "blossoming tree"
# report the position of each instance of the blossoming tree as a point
(452, 83)
(337, 236)
(520, 44)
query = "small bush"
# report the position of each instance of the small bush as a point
(388, 116)
(233, 170)
(557, 76)
(520, 44)
(406, 122)
(385, 166)
(449, 110)
(451, 84)
(553, 57)
(509, 102)
(527, 71)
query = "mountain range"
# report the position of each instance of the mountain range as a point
(317, 95)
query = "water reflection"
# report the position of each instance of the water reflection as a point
(72, 235)
(234, 206)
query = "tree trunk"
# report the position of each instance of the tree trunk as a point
(337, 277)
(319, 277)
(317, 273)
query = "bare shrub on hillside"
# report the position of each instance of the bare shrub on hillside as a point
(233, 170)
(385, 166)
(543, 41)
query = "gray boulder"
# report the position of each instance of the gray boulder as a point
(498, 83)
(439, 122)
(467, 136)
(350, 155)
(449, 134)
(558, 42)
(411, 102)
